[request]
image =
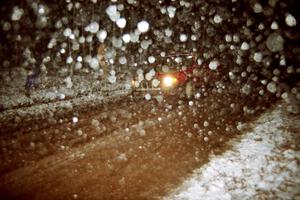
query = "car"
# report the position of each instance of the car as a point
(175, 80)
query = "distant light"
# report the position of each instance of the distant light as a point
(168, 81)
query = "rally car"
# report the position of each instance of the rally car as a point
(175, 80)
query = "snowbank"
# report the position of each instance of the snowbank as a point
(55, 89)
(264, 163)
(54, 98)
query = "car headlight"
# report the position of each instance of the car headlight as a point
(133, 83)
(169, 81)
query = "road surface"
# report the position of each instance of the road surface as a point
(129, 149)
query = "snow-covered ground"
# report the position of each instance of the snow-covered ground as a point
(55, 96)
(53, 89)
(263, 164)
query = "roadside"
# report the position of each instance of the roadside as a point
(54, 97)
(264, 163)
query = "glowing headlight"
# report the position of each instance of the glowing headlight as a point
(134, 83)
(168, 81)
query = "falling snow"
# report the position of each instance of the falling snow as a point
(86, 80)
(143, 26)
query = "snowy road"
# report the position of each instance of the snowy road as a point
(124, 150)
(71, 129)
